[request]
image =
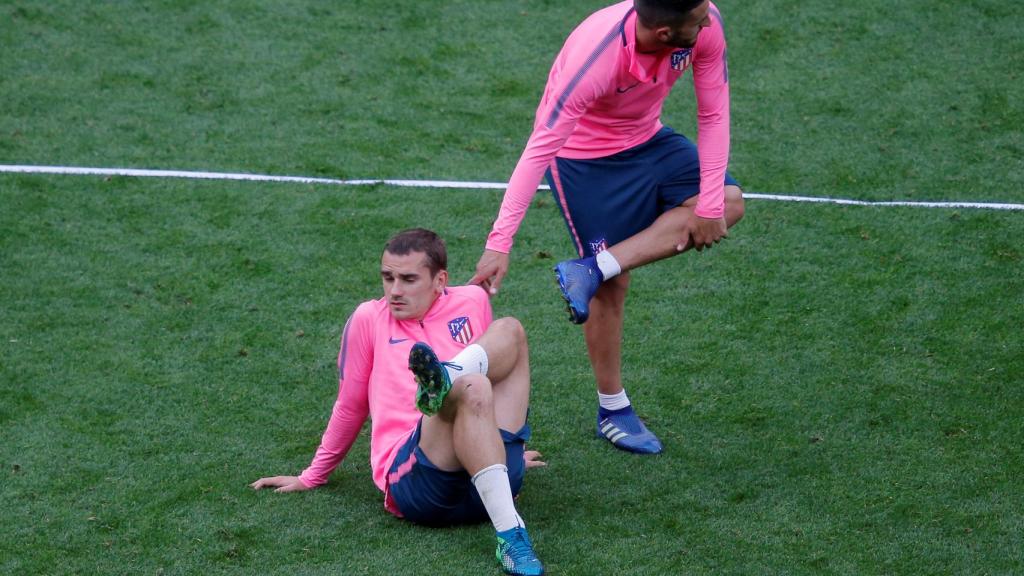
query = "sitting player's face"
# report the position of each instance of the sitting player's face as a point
(408, 286)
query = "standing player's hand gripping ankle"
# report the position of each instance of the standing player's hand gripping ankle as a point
(704, 232)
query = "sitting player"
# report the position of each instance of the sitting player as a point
(464, 458)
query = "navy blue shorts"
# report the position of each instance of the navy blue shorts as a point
(606, 200)
(425, 494)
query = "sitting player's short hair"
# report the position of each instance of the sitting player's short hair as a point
(657, 13)
(420, 240)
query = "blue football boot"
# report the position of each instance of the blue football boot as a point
(578, 280)
(516, 555)
(625, 431)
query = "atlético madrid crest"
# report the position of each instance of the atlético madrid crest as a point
(461, 330)
(681, 59)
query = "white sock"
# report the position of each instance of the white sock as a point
(472, 360)
(496, 494)
(613, 401)
(608, 265)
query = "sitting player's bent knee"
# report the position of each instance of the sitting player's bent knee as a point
(474, 393)
(510, 328)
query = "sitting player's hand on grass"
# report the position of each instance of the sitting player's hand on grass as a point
(281, 483)
(490, 270)
(533, 459)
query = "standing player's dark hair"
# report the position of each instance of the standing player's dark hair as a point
(420, 240)
(657, 13)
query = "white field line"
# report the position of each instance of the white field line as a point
(140, 173)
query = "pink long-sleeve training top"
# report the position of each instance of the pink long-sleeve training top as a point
(603, 97)
(375, 381)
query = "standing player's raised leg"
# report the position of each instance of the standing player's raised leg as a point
(667, 236)
(580, 279)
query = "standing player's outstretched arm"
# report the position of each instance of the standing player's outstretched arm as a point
(573, 85)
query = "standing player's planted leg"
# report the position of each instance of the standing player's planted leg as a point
(603, 333)
(616, 420)
(601, 304)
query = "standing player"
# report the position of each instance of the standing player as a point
(464, 460)
(631, 190)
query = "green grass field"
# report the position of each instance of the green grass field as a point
(840, 389)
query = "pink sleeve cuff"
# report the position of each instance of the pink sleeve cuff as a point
(498, 242)
(307, 482)
(709, 212)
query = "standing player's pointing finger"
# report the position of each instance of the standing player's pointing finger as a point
(490, 270)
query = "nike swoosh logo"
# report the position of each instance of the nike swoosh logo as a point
(627, 88)
(394, 340)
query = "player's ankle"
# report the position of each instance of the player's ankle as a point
(608, 265)
(610, 402)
